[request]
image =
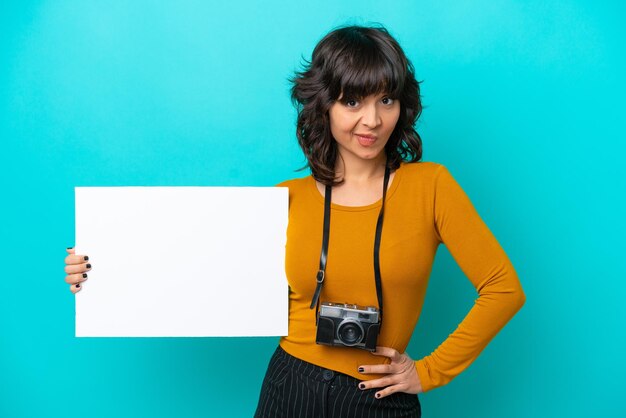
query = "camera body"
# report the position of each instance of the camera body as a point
(348, 325)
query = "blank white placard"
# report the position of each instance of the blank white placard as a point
(182, 261)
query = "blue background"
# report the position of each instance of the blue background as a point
(524, 103)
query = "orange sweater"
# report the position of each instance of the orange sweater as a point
(425, 207)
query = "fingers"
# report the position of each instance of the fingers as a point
(400, 374)
(389, 390)
(393, 354)
(397, 360)
(75, 288)
(76, 278)
(391, 384)
(380, 368)
(76, 259)
(75, 267)
(379, 383)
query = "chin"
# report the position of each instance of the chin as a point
(365, 153)
(370, 155)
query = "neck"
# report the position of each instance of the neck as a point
(356, 170)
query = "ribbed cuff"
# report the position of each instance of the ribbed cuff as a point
(424, 375)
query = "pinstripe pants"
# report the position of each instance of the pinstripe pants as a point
(297, 389)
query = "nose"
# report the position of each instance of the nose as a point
(371, 117)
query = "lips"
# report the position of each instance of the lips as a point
(366, 141)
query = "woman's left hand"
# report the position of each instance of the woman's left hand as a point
(401, 374)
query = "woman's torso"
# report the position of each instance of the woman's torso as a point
(408, 246)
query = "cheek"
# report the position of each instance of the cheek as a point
(335, 130)
(341, 125)
(392, 120)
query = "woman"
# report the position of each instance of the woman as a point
(378, 215)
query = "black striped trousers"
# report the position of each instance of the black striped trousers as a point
(297, 389)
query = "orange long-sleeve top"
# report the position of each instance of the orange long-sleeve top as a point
(425, 207)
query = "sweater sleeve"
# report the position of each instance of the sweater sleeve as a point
(484, 262)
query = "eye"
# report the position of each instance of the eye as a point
(389, 100)
(351, 103)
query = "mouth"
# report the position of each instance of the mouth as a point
(366, 140)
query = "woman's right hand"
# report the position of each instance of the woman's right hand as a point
(76, 267)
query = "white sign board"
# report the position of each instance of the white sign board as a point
(182, 261)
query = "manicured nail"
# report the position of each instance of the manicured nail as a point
(88, 266)
(69, 248)
(361, 386)
(86, 258)
(361, 369)
(77, 285)
(377, 395)
(84, 275)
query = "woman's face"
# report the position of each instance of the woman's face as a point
(363, 127)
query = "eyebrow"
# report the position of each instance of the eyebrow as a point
(355, 97)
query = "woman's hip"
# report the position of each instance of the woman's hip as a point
(295, 388)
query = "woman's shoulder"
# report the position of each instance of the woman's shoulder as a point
(294, 182)
(422, 170)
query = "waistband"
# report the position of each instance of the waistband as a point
(313, 371)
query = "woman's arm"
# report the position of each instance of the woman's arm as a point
(484, 262)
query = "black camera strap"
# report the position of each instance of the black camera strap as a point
(379, 227)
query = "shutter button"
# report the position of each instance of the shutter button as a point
(328, 374)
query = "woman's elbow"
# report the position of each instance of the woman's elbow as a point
(519, 299)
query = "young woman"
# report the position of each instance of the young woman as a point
(363, 230)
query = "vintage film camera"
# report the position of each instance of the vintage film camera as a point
(348, 325)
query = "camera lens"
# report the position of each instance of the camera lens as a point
(350, 333)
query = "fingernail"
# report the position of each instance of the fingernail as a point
(84, 275)
(69, 248)
(377, 395)
(77, 285)
(86, 258)
(88, 266)
(361, 386)
(361, 369)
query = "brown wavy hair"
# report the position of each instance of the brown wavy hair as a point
(357, 61)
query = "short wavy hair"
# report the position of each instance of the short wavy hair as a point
(357, 61)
